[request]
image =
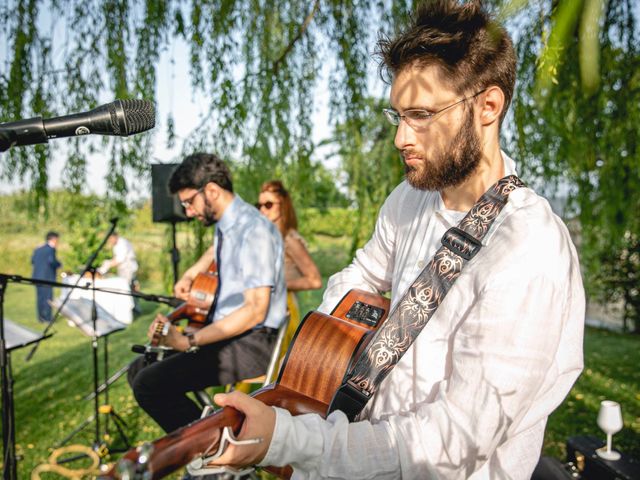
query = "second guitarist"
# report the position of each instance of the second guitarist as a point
(250, 304)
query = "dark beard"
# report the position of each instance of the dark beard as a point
(449, 169)
(208, 218)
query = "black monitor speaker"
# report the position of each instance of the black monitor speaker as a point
(166, 207)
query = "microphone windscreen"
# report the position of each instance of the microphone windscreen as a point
(140, 115)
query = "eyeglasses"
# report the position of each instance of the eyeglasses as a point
(187, 203)
(417, 118)
(268, 205)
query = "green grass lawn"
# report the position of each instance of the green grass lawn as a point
(49, 389)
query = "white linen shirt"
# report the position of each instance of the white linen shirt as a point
(471, 396)
(124, 259)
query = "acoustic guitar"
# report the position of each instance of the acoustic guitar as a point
(321, 353)
(194, 310)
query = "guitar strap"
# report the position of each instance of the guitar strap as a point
(410, 315)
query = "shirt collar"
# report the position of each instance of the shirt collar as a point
(509, 164)
(230, 215)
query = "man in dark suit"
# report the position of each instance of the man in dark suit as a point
(45, 264)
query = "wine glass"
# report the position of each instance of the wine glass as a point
(610, 421)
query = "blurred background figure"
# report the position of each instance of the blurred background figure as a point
(124, 261)
(300, 271)
(45, 264)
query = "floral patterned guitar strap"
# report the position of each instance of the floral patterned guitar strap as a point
(389, 343)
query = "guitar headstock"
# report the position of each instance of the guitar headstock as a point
(133, 466)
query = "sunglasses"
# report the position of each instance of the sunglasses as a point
(267, 205)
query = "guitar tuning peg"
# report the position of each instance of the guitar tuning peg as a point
(126, 469)
(144, 453)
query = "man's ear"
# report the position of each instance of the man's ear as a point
(491, 105)
(212, 189)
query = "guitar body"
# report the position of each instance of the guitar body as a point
(324, 346)
(321, 353)
(201, 297)
(195, 310)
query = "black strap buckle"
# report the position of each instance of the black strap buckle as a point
(461, 243)
(348, 399)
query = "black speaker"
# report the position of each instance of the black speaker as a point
(166, 207)
(582, 452)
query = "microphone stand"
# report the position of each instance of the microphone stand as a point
(150, 297)
(8, 428)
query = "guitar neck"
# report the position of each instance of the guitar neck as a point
(202, 437)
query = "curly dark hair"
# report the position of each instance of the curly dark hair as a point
(472, 50)
(197, 170)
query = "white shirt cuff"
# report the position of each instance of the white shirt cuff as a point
(291, 442)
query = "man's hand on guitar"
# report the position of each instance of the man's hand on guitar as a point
(173, 338)
(259, 422)
(182, 288)
(155, 328)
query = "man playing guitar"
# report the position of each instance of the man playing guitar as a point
(471, 397)
(240, 332)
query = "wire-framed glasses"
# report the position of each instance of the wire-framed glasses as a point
(187, 203)
(417, 117)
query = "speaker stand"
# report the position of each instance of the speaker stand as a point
(175, 253)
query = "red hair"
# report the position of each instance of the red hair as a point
(289, 219)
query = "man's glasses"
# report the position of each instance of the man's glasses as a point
(187, 203)
(267, 205)
(418, 118)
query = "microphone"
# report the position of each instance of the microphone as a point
(120, 118)
(138, 348)
(114, 220)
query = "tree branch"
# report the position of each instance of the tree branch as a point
(303, 29)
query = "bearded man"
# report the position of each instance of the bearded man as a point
(250, 303)
(471, 396)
